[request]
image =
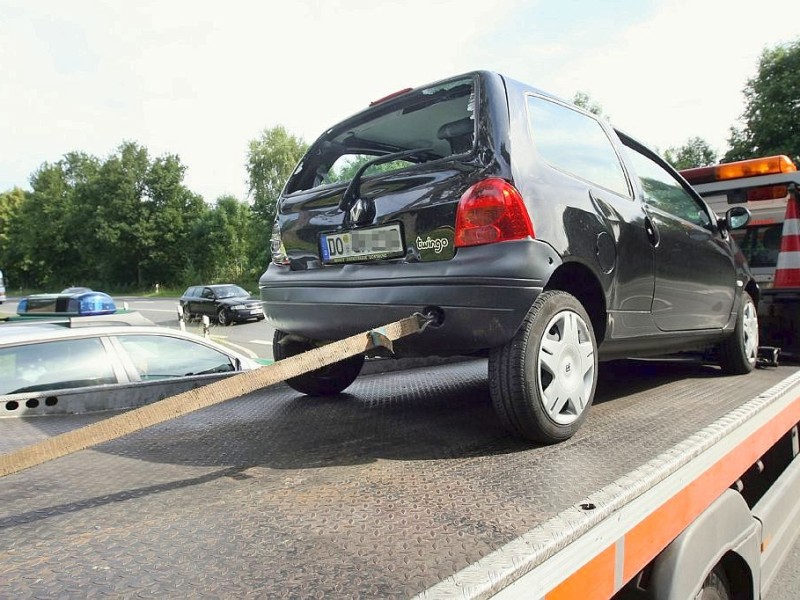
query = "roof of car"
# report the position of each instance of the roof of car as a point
(33, 332)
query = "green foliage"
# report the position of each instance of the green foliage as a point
(271, 159)
(696, 152)
(223, 254)
(771, 119)
(128, 222)
(10, 255)
(583, 100)
(348, 170)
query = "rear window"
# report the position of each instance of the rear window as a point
(439, 121)
(54, 365)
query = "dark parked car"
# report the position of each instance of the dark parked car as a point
(226, 303)
(535, 232)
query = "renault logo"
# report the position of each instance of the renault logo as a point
(362, 211)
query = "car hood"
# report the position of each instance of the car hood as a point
(239, 300)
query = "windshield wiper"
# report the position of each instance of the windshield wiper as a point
(354, 189)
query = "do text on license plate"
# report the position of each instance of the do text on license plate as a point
(375, 243)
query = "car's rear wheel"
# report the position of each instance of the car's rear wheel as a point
(542, 382)
(223, 318)
(738, 352)
(187, 316)
(327, 380)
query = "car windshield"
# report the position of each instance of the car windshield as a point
(230, 291)
(438, 121)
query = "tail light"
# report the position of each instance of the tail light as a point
(491, 211)
(279, 256)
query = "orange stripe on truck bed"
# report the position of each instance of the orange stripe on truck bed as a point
(642, 543)
(595, 580)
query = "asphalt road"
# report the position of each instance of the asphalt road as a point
(253, 338)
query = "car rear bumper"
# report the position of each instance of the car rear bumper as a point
(484, 293)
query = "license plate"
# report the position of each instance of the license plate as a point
(375, 243)
(255, 311)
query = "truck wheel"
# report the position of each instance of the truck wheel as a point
(715, 587)
(542, 381)
(327, 380)
(738, 352)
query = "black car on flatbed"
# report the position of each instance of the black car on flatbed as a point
(533, 231)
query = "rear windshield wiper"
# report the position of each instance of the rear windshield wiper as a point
(354, 189)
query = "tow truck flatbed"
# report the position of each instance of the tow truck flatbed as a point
(398, 488)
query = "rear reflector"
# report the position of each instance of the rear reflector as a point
(770, 192)
(491, 211)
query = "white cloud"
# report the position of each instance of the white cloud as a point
(681, 73)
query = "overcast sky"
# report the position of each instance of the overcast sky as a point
(200, 79)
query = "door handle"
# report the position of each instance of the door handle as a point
(651, 230)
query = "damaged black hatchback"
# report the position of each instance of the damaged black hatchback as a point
(537, 234)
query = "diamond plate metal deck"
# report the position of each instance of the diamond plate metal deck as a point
(382, 491)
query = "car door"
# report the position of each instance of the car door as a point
(695, 274)
(581, 150)
(206, 302)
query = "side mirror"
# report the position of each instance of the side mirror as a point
(736, 218)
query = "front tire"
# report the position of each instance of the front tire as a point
(738, 352)
(321, 382)
(542, 381)
(223, 318)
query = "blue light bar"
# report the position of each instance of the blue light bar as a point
(78, 305)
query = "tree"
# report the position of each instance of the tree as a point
(220, 250)
(51, 232)
(10, 255)
(696, 152)
(271, 159)
(126, 221)
(772, 108)
(583, 100)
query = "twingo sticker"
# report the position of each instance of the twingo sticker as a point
(436, 245)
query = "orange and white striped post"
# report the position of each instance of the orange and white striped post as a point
(787, 271)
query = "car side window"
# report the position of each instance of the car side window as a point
(55, 365)
(208, 294)
(575, 143)
(662, 190)
(163, 357)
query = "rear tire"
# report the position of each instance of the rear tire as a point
(738, 352)
(327, 380)
(542, 382)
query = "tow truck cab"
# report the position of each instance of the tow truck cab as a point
(770, 188)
